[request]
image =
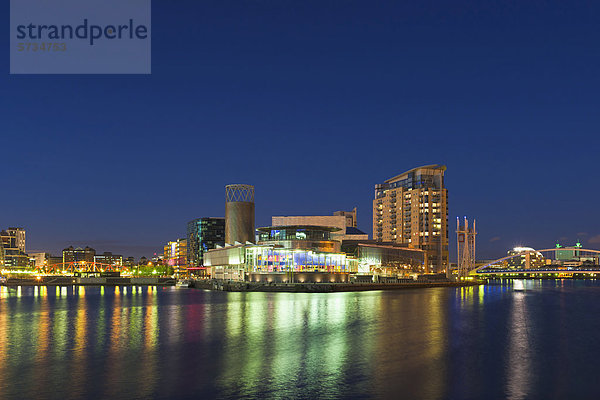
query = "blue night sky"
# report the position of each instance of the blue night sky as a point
(314, 102)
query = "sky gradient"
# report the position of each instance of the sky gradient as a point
(315, 102)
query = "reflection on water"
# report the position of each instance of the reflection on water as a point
(512, 339)
(519, 364)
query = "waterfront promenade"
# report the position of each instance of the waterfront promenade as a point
(58, 280)
(232, 286)
(322, 287)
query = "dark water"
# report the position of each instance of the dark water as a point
(490, 342)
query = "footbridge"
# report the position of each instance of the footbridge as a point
(556, 261)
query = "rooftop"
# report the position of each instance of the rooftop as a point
(431, 166)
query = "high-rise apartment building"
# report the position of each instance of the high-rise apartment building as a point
(203, 234)
(412, 209)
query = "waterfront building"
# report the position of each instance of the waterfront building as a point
(71, 254)
(109, 258)
(283, 254)
(384, 258)
(13, 243)
(175, 255)
(412, 209)
(308, 237)
(203, 234)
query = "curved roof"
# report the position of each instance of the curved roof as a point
(522, 249)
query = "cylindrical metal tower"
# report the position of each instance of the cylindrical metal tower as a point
(239, 213)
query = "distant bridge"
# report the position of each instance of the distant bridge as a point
(544, 271)
(499, 267)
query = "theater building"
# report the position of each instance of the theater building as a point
(294, 253)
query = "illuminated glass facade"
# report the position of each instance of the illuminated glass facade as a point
(384, 258)
(299, 232)
(281, 250)
(301, 237)
(267, 259)
(203, 234)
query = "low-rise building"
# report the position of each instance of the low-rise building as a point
(568, 253)
(109, 258)
(54, 260)
(38, 259)
(129, 262)
(385, 258)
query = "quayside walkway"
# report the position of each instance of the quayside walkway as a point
(321, 287)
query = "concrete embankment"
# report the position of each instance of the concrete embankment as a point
(321, 287)
(91, 281)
